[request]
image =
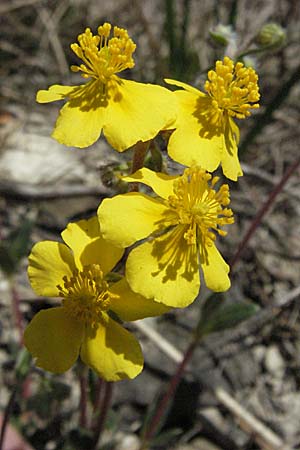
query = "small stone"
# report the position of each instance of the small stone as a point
(274, 362)
(130, 442)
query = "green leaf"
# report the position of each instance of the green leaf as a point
(23, 364)
(15, 247)
(217, 316)
(20, 241)
(7, 263)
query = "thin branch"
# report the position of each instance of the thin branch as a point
(12, 5)
(54, 40)
(37, 192)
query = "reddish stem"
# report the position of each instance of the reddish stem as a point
(6, 416)
(83, 396)
(140, 151)
(263, 210)
(18, 316)
(97, 396)
(163, 404)
(106, 402)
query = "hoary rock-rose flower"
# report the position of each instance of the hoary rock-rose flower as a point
(205, 121)
(126, 111)
(77, 271)
(181, 225)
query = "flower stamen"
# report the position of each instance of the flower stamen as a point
(86, 294)
(199, 207)
(103, 56)
(233, 88)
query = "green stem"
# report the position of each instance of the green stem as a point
(171, 33)
(263, 210)
(184, 25)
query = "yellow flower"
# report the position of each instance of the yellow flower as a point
(205, 132)
(83, 324)
(127, 111)
(181, 224)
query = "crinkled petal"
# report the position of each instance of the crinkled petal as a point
(49, 262)
(130, 306)
(215, 271)
(112, 352)
(127, 218)
(81, 119)
(54, 339)
(137, 112)
(185, 86)
(54, 93)
(88, 245)
(195, 140)
(230, 162)
(161, 183)
(165, 269)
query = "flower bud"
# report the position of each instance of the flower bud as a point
(223, 35)
(272, 35)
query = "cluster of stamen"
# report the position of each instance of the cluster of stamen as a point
(86, 294)
(232, 88)
(200, 208)
(103, 56)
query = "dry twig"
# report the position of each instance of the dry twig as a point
(54, 40)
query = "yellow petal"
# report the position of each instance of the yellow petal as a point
(161, 183)
(55, 92)
(49, 262)
(54, 339)
(137, 112)
(185, 86)
(215, 271)
(131, 306)
(81, 119)
(195, 140)
(88, 245)
(112, 352)
(165, 269)
(130, 217)
(230, 162)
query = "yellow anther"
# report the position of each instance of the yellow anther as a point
(86, 294)
(197, 206)
(232, 88)
(103, 56)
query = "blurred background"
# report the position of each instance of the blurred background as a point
(44, 185)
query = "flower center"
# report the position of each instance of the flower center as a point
(197, 206)
(86, 295)
(232, 88)
(102, 57)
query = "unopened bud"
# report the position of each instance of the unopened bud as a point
(223, 34)
(272, 35)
